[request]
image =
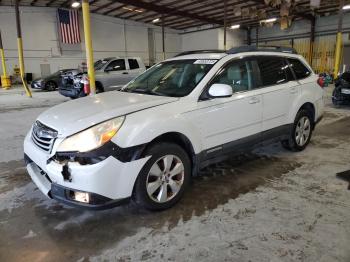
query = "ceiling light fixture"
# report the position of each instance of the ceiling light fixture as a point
(133, 10)
(235, 26)
(346, 7)
(270, 20)
(156, 20)
(75, 4)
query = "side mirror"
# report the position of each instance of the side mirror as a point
(107, 70)
(220, 90)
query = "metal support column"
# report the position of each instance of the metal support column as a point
(20, 50)
(163, 37)
(88, 46)
(225, 25)
(257, 36)
(5, 80)
(338, 48)
(249, 37)
(312, 40)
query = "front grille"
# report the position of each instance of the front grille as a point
(43, 136)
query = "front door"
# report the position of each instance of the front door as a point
(116, 74)
(228, 124)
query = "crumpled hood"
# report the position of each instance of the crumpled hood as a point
(76, 115)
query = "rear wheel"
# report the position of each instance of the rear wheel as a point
(99, 88)
(162, 181)
(301, 132)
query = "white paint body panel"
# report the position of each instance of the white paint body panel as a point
(92, 110)
(110, 178)
(220, 121)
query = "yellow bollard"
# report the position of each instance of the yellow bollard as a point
(5, 80)
(88, 46)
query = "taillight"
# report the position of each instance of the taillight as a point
(321, 82)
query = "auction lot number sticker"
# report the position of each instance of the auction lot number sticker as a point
(205, 62)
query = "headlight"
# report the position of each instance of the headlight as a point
(93, 137)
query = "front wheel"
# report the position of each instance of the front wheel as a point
(162, 181)
(301, 132)
(50, 86)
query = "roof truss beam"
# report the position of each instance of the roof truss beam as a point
(167, 10)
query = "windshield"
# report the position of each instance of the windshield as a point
(100, 63)
(172, 78)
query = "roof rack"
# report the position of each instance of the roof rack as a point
(242, 49)
(200, 52)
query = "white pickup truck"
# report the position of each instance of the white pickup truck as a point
(111, 74)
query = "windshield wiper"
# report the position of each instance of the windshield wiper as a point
(145, 91)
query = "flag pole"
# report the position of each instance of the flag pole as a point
(59, 36)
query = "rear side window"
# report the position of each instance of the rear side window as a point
(300, 70)
(273, 71)
(133, 64)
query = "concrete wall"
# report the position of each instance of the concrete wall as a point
(208, 39)
(234, 38)
(111, 37)
(212, 39)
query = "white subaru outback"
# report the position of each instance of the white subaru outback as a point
(146, 141)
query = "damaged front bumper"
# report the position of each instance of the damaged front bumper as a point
(105, 184)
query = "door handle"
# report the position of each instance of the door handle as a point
(293, 90)
(125, 73)
(254, 100)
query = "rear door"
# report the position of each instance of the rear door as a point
(134, 68)
(279, 90)
(308, 83)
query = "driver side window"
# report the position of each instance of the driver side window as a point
(238, 75)
(116, 65)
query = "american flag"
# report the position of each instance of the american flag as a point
(68, 21)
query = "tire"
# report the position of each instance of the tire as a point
(50, 86)
(336, 97)
(301, 132)
(156, 189)
(99, 88)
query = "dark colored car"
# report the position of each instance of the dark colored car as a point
(52, 82)
(341, 92)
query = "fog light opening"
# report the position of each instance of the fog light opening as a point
(81, 197)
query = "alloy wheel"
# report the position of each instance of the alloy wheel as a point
(302, 131)
(165, 178)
